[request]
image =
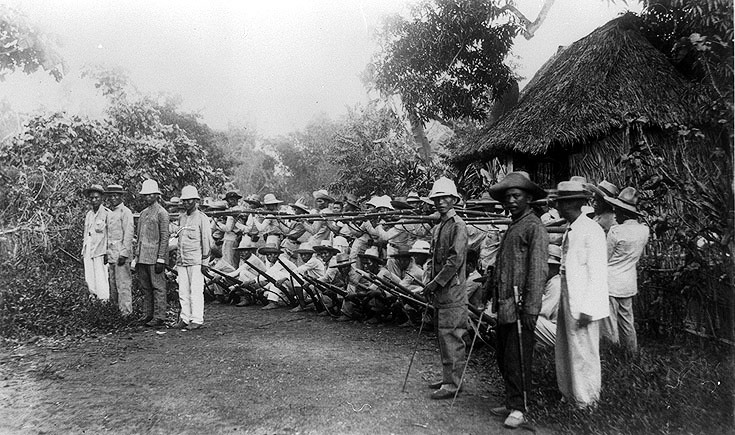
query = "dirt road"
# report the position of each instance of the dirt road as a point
(249, 371)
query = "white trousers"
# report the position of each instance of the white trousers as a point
(95, 273)
(191, 293)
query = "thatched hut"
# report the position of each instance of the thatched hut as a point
(573, 117)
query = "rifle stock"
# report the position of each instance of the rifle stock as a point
(270, 279)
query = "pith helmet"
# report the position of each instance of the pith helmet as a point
(189, 192)
(149, 187)
(444, 187)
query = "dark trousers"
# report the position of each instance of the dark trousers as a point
(509, 363)
(153, 286)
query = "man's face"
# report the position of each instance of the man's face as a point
(115, 199)
(150, 198)
(371, 265)
(325, 256)
(569, 209)
(598, 203)
(95, 200)
(336, 208)
(245, 254)
(403, 262)
(321, 203)
(516, 201)
(231, 201)
(272, 258)
(306, 256)
(190, 204)
(271, 207)
(420, 259)
(444, 203)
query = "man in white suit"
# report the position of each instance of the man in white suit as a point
(583, 302)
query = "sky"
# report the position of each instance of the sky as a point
(268, 65)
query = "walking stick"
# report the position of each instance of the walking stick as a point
(415, 348)
(466, 363)
(517, 301)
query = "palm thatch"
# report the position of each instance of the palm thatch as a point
(586, 91)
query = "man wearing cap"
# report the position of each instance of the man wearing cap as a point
(318, 229)
(485, 238)
(275, 270)
(546, 323)
(194, 245)
(446, 286)
(245, 273)
(233, 229)
(625, 245)
(215, 282)
(311, 266)
(270, 225)
(520, 264)
(604, 214)
(583, 302)
(345, 278)
(151, 253)
(120, 229)
(94, 244)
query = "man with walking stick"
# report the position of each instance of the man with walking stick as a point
(517, 288)
(447, 286)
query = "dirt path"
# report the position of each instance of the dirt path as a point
(249, 371)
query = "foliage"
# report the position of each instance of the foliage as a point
(447, 61)
(24, 47)
(251, 166)
(681, 386)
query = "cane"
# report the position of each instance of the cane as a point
(517, 301)
(466, 363)
(415, 347)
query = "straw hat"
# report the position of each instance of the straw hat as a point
(413, 197)
(301, 205)
(342, 260)
(444, 187)
(325, 246)
(402, 252)
(149, 187)
(381, 201)
(517, 180)
(253, 199)
(604, 188)
(420, 247)
(322, 194)
(94, 188)
(372, 253)
(246, 243)
(270, 248)
(627, 200)
(571, 190)
(340, 242)
(270, 199)
(554, 254)
(114, 189)
(305, 248)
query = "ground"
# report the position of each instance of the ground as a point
(249, 371)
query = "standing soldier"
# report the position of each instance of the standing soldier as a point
(152, 255)
(446, 285)
(194, 244)
(521, 266)
(233, 229)
(120, 229)
(94, 246)
(583, 302)
(604, 214)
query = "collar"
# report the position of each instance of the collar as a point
(118, 206)
(449, 215)
(630, 221)
(523, 216)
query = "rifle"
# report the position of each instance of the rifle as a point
(234, 281)
(325, 286)
(393, 288)
(270, 279)
(318, 304)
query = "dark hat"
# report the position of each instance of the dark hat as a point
(400, 203)
(232, 194)
(253, 199)
(518, 180)
(270, 248)
(94, 188)
(114, 188)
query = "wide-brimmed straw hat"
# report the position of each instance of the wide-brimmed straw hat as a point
(94, 188)
(571, 190)
(372, 253)
(627, 200)
(342, 260)
(351, 199)
(554, 254)
(301, 205)
(604, 188)
(381, 201)
(420, 247)
(413, 197)
(325, 246)
(517, 180)
(322, 194)
(402, 252)
(270, 248)
(246, 243)
(270, 199)
(114, 189)
(305, 248)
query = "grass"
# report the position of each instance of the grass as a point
(674, 385)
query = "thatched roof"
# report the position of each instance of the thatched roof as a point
(585, 91)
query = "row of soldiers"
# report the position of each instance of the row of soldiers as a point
(392, 260)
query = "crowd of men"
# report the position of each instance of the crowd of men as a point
(556, 271)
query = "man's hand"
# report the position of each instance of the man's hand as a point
(529, 321)
(122, 260)
(430, 289)
(584, 320)
(160, 267)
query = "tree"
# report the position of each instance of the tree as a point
(24, 47)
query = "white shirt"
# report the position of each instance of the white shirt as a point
(584, 261)
(625, 245)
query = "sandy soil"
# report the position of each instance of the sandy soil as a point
(249, 371)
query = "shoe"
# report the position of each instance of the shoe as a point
(436, 385)
(323, 314)
(297, 309)
(180, 325)
(192, 326)
(515, 419)
(155, 323)
(445, 392)
(500, 411)
(373, 321)
(269, 306)
(243, 303)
